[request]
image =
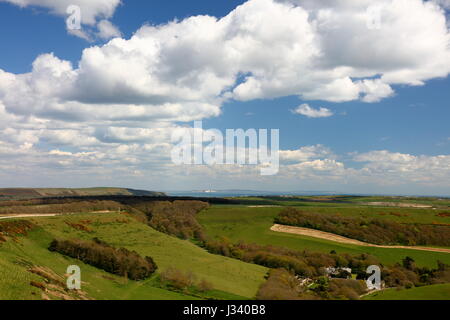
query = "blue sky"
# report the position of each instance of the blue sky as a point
(46, 33)
(411, 121)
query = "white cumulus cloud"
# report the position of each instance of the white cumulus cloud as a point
(307, 111)
(106, 30)
(93, 13)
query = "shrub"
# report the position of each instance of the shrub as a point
(178, 279)
(205, 286)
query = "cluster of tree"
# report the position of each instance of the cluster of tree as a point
(408, 275)
(284, 285)
(103, 256)
(184, 281)
(339, 289)
(305, 263)
(176, 218)
(378, 231)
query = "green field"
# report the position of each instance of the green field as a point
(434, 292)
(358, 207)
(253, 225)
(350, 202)
(231, 278)
(401, 215)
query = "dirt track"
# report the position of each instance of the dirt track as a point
(340, 239)
(27, 216)
(31, 215)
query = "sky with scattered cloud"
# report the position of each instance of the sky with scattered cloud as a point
(98, 106)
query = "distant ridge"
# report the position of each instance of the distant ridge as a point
(30, 193)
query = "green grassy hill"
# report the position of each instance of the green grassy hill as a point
(230, 278)
(29, 193)
(434, 292)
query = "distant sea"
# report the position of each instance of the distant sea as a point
(242, 193)
(254, 193)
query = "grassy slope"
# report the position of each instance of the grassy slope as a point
(253, 225)
(14, 283)
(227, 275)
(435, 292)
(57, 192)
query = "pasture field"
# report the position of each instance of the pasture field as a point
(346, 201)
(252, 224)
(434, 292)
(439, 213)
(121, 231)
(401, 215)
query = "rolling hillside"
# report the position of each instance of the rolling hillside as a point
(231, 279)
(230, 246)
(30, 193)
